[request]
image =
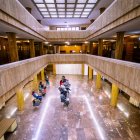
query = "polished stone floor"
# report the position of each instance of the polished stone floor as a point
(88, 117)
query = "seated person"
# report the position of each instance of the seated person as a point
(36, 96)
(41, 86)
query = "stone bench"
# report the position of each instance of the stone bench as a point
(7, 125)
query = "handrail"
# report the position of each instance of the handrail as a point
(125, 74)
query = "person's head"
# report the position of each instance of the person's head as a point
(40, 83)
(63, 77)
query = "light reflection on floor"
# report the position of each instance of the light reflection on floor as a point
(89, 116)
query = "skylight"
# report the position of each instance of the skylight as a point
(65, 8)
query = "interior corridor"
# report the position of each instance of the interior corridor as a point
(88, 117)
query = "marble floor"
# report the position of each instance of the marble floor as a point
(88, 117)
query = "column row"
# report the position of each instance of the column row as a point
(98, 85)
(16, 46)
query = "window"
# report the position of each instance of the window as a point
(68, 29)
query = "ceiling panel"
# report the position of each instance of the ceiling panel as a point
(55, 7)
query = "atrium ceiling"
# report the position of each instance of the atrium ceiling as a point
(65, 12)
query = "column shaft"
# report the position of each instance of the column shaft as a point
(55, 51)
(41, 48)
(13, 50)
(114, 95)
(20, 99)
(54, 69)
(98, 81)
(83, 69)
(100, 47)
(90, 73)
(35, 82)
(42, 75)
(119, 45)
(32, 48)
(91, 47)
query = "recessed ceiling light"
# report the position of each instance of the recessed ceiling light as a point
(46, 42)
(86, 42)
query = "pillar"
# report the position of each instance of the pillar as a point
(88, 48)
(32, 48)
(98, 81)
(20, 99)
(41, 48)
(35, 82)
(83, 69)
(102, 9)
(119, 45)
(90, 73)
(54, 69)
(91, 47)
(83, 48)
(42, 75)
(100, 47)
(12, 47)
(58, 49)
(114, 95)
(55, 51)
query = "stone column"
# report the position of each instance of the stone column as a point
(100, 47)
(83, 69)
(41, 48)
(55, 49)
(13, 50)
(32, 48)
(54, 69)
(35, 82)
(119, 45)
(58, 49)
(114, 95)
(91, 47)
(42, 75)
(98, 81)
(90, 73)
(20, 99)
